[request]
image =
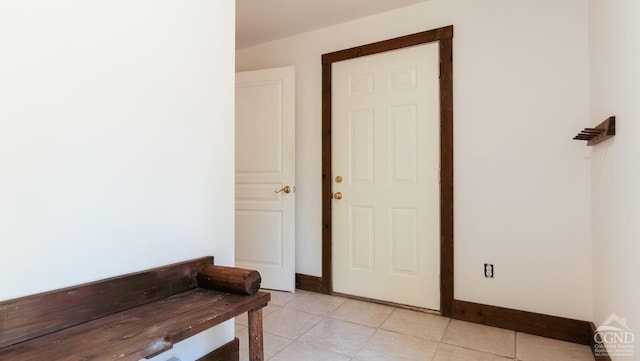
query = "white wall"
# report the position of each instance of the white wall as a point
(522, 187)
(614, 44)
(116, 141)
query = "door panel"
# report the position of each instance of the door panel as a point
(265, 163)
(259, 128)
(404, 241)
(361, 144)
(361, 221)
(403, 130)
(267, 227)
(385, 139)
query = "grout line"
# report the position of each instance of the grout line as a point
(446, 328)
(444, 333)
(282, 350)
(387, 318)
(435, 354)
(365, 343)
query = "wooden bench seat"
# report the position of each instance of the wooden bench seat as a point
(123, 324)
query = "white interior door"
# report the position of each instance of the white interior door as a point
(385, 139)
(265, 175)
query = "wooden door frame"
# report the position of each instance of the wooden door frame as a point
(445, 38)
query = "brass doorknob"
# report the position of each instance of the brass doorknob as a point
(337, 195)
(286, 189)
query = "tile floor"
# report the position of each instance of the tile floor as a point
(307, 326)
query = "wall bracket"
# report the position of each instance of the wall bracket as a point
(603, 131)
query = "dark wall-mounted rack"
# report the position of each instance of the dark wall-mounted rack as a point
(603, 131)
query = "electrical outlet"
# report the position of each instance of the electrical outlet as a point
(488, 270)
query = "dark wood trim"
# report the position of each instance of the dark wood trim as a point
(559, 328)
(424, 37)
(446, 177)
(309, 283)
(444, 36)
(227, 352)
(327, 269)
(592, 342)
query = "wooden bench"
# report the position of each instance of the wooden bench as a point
(131, 317)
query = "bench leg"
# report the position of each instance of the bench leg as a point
(256, 342)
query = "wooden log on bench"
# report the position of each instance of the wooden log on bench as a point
(126, 318)
(230, 279)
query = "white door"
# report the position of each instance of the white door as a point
(385, 139)
(265, 175)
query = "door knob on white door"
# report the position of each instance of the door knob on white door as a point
(286, 189)
(337, 195)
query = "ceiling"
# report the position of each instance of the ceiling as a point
(261, 21)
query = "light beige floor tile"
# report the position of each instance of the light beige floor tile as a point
(481, 338)
(300, 351)
(280, 298)
(240, 327)
(338, 336)
(243, 319)
(289, 323)
(386, 345)
(454, 353)
(535, 348)
(272, 345)
(364, 313)
(317, 303)
(419, 324)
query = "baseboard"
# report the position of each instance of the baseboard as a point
(227, 352)
(309, 283)
(559, 328)
(602, 354)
